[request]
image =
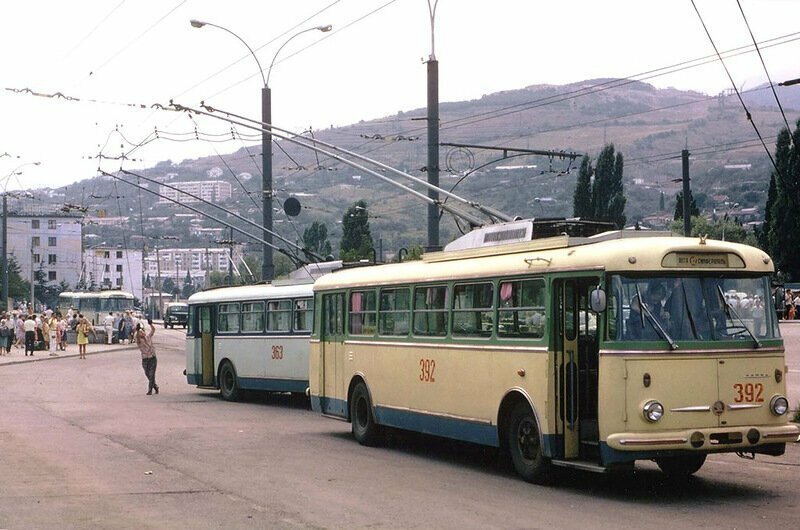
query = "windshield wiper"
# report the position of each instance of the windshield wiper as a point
(730, 310)
(654, 321)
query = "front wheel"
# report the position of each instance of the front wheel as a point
(525, 445)
(681, 466)
(228, 386)
(365, 430)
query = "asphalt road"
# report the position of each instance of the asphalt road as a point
(82, 446)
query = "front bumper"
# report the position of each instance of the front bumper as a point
(719, 439)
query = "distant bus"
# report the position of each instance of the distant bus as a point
(94, 305)
(250, 338)
(583, 352)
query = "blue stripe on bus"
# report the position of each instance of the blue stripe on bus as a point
(194, 379)
(272, 385)
(458, 429)
(330, 406)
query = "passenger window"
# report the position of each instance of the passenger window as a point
(522, 309)
(430, 310)
(472, 310)
(362, 313)
(228, 319)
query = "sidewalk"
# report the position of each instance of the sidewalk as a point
(17, 356)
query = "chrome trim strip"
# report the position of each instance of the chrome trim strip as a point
(673, 353)
(449, 346)
(697, 408)
(438, 414)
(789, 435)
(655, 441)
(743, 406)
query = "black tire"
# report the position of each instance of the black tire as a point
(681, 467)
(365, 430)
(525, 445)
(228, 386)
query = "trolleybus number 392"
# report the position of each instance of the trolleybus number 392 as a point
(426, 369)
(277, 351)
(749, 392)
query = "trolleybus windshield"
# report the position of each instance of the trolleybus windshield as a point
(691, 307)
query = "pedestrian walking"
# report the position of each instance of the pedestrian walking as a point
(30, 335)
(84, 328)
(52, 323)
(61, 332)
(19, 330)
(149, 361)
(4, 334)
(108, 325)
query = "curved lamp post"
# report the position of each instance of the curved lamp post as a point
(4, 229)
(267, 265)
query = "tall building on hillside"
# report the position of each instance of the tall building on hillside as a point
(113, 268)
(208, 190)
(46, 244)
(175, 263)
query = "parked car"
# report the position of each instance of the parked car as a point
(176, 313)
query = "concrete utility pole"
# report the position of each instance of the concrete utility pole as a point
(687, 215)
(433, 139)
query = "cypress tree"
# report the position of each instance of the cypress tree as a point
(784, 223)
(582, 199)
(608, 197)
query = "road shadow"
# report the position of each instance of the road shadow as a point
(646, 485)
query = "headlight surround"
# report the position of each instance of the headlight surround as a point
(653, 411)
(779, 405)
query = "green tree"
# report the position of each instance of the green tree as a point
(167, 285)
(188, 286)
(661, 202)
(356, 238)
(315, 239)
(783, 234)
(18, 289)
(694, 211)
(608, 197)
(762, 232)
(722, 229)
(582, 200)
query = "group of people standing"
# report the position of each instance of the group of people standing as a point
(791, 304)
(47, 330)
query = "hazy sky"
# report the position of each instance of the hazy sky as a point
(142, 52)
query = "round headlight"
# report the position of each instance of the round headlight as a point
(653, 411)
(779, 405)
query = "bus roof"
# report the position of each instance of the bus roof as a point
(96, 294)
(620, 251)
(251, 292)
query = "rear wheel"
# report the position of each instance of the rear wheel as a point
(228, 386)
(681, 466)
(365, 430)
(525, 445)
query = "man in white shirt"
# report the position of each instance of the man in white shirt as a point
(108, 325)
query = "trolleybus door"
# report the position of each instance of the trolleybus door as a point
(576, 366)
(566, 366)
(205, 327)
(332, 350)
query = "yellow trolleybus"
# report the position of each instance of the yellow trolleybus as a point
(589, 352)
(250, 338)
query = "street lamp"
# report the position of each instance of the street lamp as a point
(267, 265)
(4, 229)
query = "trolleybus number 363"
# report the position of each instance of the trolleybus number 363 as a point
(426, 369)
(749, 392)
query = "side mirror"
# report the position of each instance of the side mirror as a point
(597, 300)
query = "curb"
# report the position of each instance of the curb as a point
(45, 355)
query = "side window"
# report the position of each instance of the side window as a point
(522, 309)
(228, 318)
(332, 317)
(394, 312)
(279, 315)
(430, 310)
(362, 313)
(190, 321)
(472, 310)
(303, 314)
(253, 317)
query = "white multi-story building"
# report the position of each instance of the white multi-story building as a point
(48, 243)
(113, 268)
(208, 190)
(175, 263)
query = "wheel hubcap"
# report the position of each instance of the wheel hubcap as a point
(528, 439)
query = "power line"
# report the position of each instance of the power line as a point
(763, 64)
(735, 88)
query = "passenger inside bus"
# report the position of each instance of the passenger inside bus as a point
(642, 326)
